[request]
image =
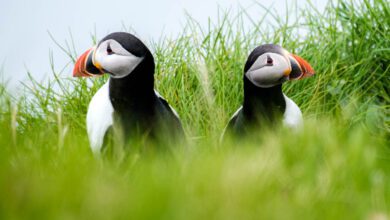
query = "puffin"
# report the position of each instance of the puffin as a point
(268, 66)
(127, 103)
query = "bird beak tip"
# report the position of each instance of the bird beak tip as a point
(80, 67)
(305, 68)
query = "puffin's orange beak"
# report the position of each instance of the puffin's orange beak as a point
(84, 66)
(300, 67)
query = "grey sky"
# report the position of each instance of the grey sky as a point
(24, 26)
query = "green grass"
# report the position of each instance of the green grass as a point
(336, 167)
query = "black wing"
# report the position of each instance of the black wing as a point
(172, 114)
(230, 128)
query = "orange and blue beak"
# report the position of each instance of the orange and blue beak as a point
(85, 66)
(300, 68)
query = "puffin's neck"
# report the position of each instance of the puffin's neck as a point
(136, 90)
(263, 102)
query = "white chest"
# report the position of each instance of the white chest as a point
(99, 117)
(292, 116)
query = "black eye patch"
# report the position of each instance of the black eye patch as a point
(269, 60)
(109, 50)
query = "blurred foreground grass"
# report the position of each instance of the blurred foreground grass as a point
(325, 171)
(336, 167)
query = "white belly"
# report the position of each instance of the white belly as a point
(292, 116)
(99, 117)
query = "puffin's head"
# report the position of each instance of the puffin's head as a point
(269, 65)
(118, 54)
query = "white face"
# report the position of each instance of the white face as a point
(268, 70)
(115, 59)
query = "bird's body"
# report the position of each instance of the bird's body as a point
(265, 104)
(128, 102)
(101, 116)
(287, 112)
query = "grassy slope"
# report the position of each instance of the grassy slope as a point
(336, 167)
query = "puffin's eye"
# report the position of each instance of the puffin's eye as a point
(109, 50)
(269, 60)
